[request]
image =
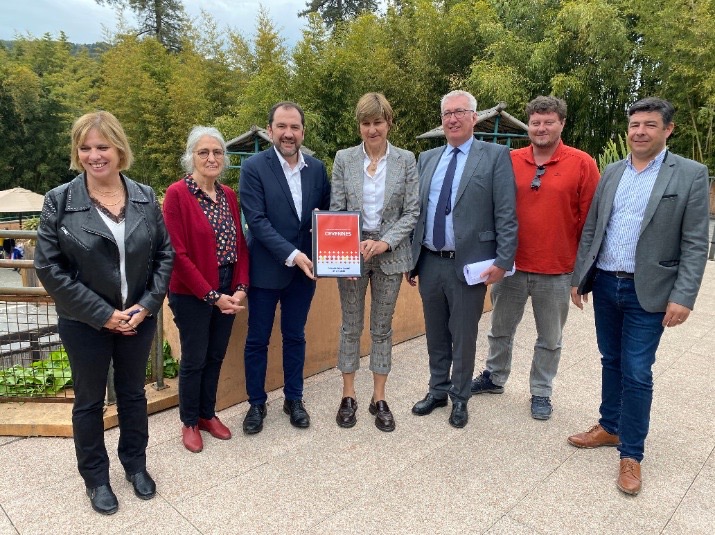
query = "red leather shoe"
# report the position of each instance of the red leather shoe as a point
(215, 427)
(191, 437)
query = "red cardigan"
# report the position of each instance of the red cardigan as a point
(195, 267)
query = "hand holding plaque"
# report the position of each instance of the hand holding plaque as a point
(337, 249)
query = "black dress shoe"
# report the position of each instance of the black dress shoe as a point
(296, 410)
(459, 416)
(253, 422)
(144, 486)
(428, 404)
(103, 499)
(346, 412)
(384, 420)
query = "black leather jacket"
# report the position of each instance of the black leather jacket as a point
(77, 259)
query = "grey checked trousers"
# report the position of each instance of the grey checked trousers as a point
(384, 290)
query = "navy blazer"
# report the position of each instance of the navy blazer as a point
(274, 230)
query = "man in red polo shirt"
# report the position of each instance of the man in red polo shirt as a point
(554, 187)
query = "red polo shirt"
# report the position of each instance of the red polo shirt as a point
(552, 217)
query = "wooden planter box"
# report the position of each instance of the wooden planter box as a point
(322, 336)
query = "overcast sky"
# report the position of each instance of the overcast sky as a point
(83, 21)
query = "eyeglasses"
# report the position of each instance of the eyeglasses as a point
(458, 114)
(204, 153)
(536, 182)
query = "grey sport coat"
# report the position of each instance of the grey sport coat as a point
(484, 210)
(401, 206)
(672, 246)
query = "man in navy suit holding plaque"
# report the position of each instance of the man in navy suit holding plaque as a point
(279, 189)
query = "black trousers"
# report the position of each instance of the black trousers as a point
(204, 332)
(90, 353)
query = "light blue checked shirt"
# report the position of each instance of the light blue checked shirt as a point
(618, 252)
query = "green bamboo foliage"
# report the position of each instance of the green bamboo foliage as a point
(598, 55)
(614, 151)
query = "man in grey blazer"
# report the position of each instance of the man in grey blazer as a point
(468, 214)
(642, 252)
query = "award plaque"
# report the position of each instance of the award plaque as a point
(336, 244)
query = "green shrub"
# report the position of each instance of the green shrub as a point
(43, 377)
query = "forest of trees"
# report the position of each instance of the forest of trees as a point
(599, 55)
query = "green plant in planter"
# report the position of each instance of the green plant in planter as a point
(31, 223)
(41, 378)
(171, 365)
(50, 375)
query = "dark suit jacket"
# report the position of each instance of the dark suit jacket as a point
(274, 230)
(673, 243)
(484, 210)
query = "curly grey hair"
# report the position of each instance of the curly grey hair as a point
(197, 132)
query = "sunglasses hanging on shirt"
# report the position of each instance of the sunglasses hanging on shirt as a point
(536, 182)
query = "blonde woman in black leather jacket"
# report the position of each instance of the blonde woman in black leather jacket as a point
(104, 256)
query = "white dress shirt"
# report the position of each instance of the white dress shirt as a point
(436, 188)
(618, 252)
(293, 177)
(373, 192)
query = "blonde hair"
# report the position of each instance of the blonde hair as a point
(373, 106)
(109, 128)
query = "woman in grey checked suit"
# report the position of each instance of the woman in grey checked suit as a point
(380, 180)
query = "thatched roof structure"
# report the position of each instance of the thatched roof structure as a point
(493, 124)
(255, 140)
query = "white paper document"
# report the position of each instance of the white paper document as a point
(472, 271)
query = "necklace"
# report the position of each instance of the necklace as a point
(106, 193)
(372, 166)
(109, 205)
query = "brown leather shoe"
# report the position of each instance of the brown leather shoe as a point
(346, 412)
(629, 478)
(215, 427)
(595, 437)
(191, 437)
(384, 420)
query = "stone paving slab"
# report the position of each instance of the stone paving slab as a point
(505, 473)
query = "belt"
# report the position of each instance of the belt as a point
(620, 274)
(441, 254)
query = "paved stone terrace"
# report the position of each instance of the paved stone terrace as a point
(505, 473)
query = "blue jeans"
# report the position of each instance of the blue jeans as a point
(295, 302)
(204, 332)
(628, 338)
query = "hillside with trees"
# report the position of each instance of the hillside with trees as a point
(599, 55)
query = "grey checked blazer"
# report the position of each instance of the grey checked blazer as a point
(673, 243)
(401, 206)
